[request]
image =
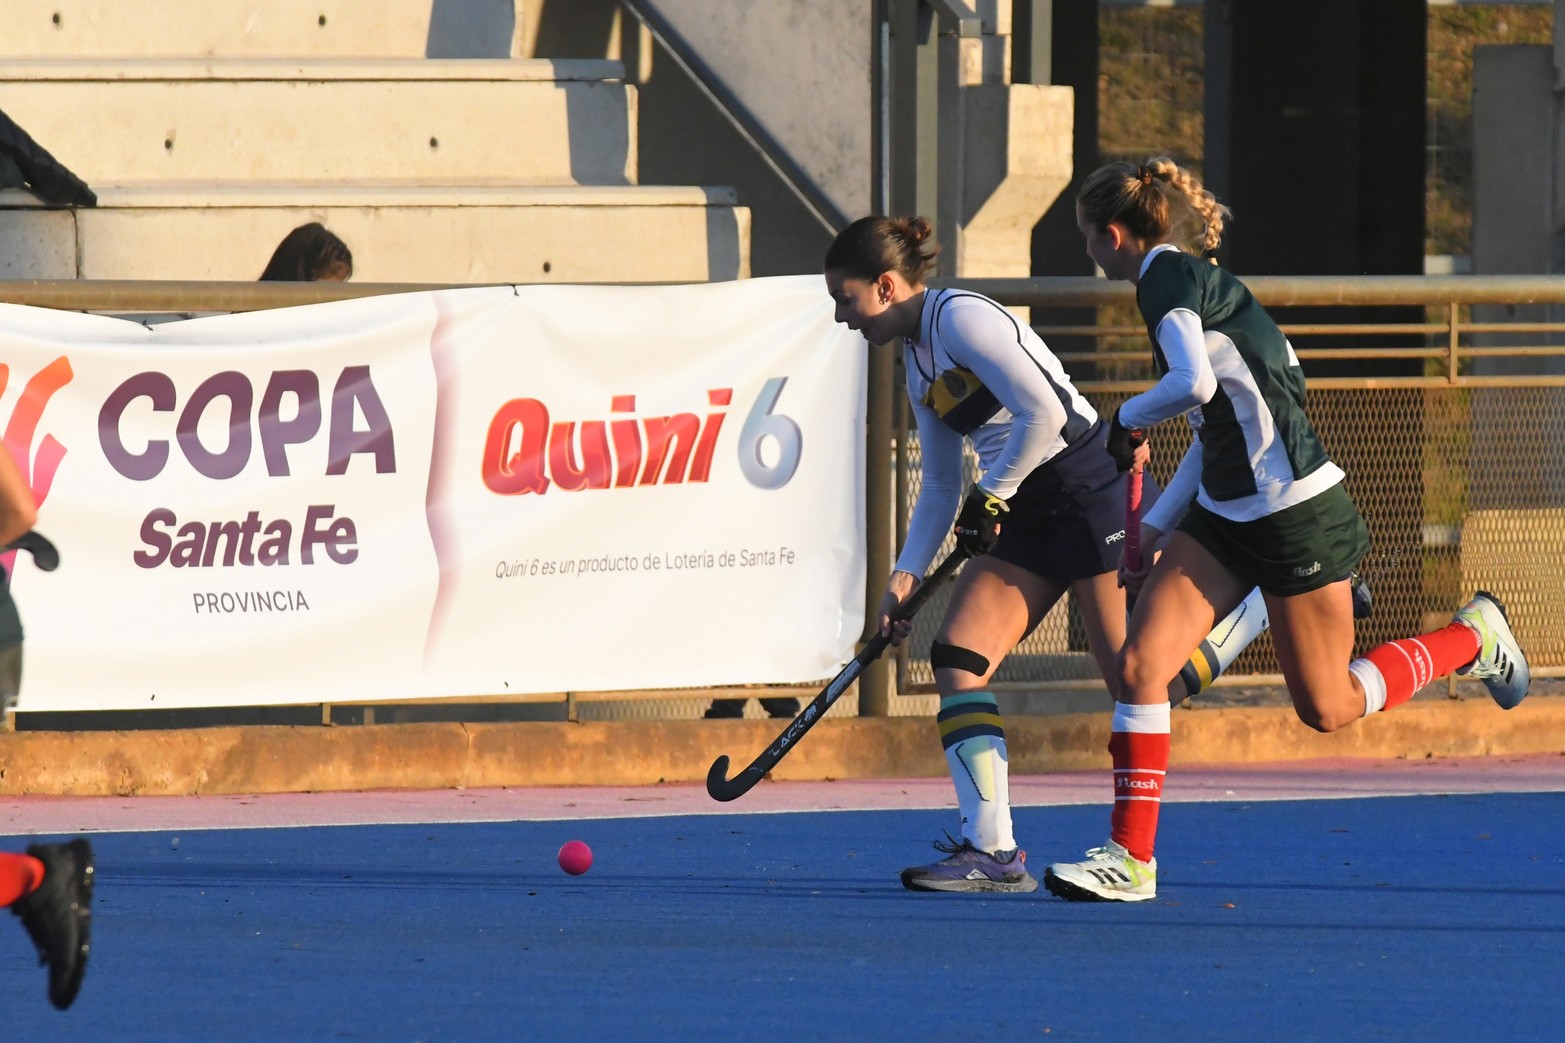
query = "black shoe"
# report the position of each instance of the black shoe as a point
(724, 709)
(781, 707)
(58, 916)
(1363, 601)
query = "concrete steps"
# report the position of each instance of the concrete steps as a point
(135, 121)
(398, 232)
(237, 28)
(432, 170)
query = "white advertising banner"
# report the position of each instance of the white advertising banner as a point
(485, 491)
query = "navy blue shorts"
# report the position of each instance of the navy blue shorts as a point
(1067, 520)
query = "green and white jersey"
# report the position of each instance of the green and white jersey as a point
(1220, 355)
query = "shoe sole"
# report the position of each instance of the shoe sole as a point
(1503, 626)
(1023, 886)
(86, 866)
(1074, 892)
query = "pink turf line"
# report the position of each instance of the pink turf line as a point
(1320, 779)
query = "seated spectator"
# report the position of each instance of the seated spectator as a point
(310, 253)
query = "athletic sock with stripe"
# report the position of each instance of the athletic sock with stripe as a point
(1392, 672)
(974, 741)
(1139, 746)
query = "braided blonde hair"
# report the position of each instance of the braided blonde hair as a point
(1158, 201)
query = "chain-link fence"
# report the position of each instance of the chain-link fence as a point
(1449, 459)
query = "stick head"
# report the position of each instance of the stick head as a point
(720, 787)
(45, 556)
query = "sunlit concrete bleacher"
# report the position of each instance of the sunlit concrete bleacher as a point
(209, 128)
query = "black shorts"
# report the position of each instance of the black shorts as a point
(1067, 520)
(1299, 549)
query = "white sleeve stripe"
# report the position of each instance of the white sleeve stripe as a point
(1189, 381)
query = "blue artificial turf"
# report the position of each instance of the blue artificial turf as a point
(1409, 918)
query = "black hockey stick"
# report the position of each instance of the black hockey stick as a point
(45, 556)
(721, 787)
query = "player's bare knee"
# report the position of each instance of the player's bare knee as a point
(1136, 673)
(1326, 719)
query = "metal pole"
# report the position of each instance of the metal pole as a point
(880, 109)
(914, 113)
(877, 682)
(1032, 41)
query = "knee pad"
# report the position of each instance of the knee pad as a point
(953, 657)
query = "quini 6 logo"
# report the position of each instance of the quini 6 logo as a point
(526, 452)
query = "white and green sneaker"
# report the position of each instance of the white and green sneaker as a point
(1108, 874)
(1501, 665)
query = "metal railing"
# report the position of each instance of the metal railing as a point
(1443, 430)
(1437, 396)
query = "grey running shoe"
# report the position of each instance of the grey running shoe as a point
(967, 869)
(1501, 665)
(1108, 874)
(58, 916)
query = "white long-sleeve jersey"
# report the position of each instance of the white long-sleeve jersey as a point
(1040, 410)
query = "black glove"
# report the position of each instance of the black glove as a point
(1123, 443)
(978, 524)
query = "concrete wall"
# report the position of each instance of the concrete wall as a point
(1517, 218)
(208, 128)
(466, 235)
(277, 759)
(261, 28)
(1515, 166)
(802, 68)
(328, 121)
(805, 71)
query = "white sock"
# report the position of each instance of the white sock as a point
(1374, 685)
(980, 769)
(974, 739)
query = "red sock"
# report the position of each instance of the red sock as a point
(1409, 664)
(20, 875)
(1140, 762)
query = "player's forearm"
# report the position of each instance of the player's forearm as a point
(18, 511)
